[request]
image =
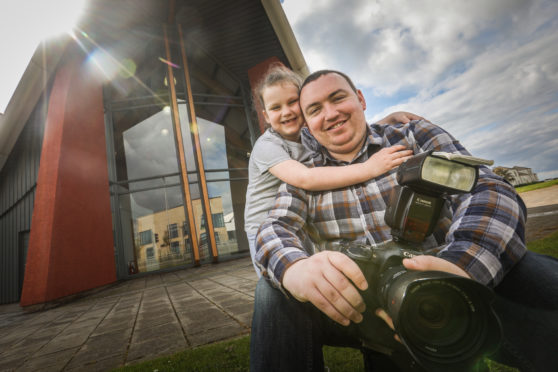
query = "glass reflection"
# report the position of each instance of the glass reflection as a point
(222, 160)
(158, 225)
(144, 144)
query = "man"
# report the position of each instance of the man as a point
(316, 298)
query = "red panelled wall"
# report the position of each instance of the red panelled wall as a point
(71, 240)
(254, 75)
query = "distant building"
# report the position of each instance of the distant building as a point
(517, 175)
(124, 149)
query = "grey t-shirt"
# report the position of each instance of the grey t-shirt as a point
(270, 149)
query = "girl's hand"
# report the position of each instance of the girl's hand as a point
(387, 159)
(400, 117)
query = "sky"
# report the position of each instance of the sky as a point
(486, 71)
(23, 24)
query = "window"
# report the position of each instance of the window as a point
(218, 220)
(173, 231)
(150, 253)
(146, 237)
(175, 247)
(203, 239)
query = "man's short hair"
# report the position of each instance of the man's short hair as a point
(315, 75)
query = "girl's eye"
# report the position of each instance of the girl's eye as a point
(292, 102)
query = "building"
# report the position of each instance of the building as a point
(120, 142)
(517, 176)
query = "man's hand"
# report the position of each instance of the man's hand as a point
(324, 279)
(400, 117)
(424, 263)
(433, 263)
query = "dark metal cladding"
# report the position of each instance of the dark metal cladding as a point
(18, 181)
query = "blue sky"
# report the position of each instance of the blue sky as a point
(486, 71)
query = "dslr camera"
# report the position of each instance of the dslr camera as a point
(445, 321)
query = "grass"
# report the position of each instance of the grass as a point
(536, 186)
(233, 355)
(547, 245)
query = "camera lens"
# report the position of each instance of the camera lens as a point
(436, 315)
(431, 311)
(439, 321)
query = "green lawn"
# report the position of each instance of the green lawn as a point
(233, 355)
(536, 186)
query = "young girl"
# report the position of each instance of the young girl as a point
(278, 153)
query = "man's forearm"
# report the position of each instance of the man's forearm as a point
(487, 234)
(279, 241)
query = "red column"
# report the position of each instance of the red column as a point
(71, 241)
(254, 75)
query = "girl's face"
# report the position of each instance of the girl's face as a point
(282, 110)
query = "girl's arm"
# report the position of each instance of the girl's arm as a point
(328, 178)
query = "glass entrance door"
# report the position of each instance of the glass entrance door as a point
(179, 145)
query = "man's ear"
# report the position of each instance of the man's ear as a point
(361, 99)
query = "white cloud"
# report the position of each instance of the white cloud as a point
(486, 71)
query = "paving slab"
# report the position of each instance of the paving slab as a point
(131, 321)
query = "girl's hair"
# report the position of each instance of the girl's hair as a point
(277, 74)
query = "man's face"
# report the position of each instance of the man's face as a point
(335, 115)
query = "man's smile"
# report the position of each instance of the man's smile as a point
(336, 125)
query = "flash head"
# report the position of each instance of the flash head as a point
(434, 175)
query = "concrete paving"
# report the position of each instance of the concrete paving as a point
(159, 314)
(131, 321)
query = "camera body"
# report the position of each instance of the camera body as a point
(445, 321)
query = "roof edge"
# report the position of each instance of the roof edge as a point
(35, 78)
(286, 36)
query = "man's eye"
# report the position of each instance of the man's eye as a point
(338, 98)
(312, 111)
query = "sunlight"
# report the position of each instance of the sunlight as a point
(23, 25)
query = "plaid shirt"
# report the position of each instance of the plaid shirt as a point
(482, 232)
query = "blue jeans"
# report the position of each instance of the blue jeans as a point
(288, 335)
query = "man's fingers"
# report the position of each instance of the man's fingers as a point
(325, 306)
(344, 296)
(386, 318)
(322, 282)
(380, 313)
(427, 263)
(340, 303)
(340, 291)
(349, 268)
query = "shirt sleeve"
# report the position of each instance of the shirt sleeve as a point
(487, 233)
(281, 237)
(268, 152)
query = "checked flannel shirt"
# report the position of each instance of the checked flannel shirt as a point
(482, 232)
